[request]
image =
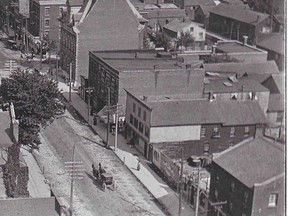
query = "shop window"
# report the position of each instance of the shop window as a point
(232, 132)
(273, 200)
(201, 35)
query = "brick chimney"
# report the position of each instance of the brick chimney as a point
(14, 127)
(245, 40)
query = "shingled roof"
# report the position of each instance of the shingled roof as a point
(236, 13)
(253, 161)
(198, 112)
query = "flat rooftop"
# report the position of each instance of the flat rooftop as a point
(236, 47)
(137, 60)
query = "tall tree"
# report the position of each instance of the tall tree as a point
(185, 39)
(33, 96)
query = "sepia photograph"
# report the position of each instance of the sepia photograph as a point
(143, 107)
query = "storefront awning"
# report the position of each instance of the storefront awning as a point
(103, 114)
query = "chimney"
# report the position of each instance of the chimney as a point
(245, 39)
(14, 127)
(136, 54)
(144, 98)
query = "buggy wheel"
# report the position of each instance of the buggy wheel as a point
(104, 186)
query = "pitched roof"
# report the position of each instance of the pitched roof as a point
(198, 112)
(243, 113)
(276, 103)
(275, 83)
(206, 9)
(273, 42)
(177, 25)
(241, 68)
(236, 13)
(253, 161)
(5, 132)
(243, 85)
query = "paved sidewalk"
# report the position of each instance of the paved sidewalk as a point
(36, 184)
(165, 196)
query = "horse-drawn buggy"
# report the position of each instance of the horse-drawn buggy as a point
(105, 179)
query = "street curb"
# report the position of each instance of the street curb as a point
(157, 202)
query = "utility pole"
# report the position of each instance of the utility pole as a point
(75, 170)
(70, 77)
(198, 190)
(180, 184)
(116, 128)
(89, 91)
(57, 65)
(26, 36)
(108, 117)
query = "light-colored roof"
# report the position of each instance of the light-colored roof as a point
(178, 25)
(273, 42)
(254, 161)
(74, 3)
(199, 112)
(243, 85)
(198, 2)
(5, 132)
(242, 15)
(29, 207)
(241, 68)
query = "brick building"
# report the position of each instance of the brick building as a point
(248, 179)
(43, 21)
(200, 126)
(101, 25)
(137, 69)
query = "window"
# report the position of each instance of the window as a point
(206, 148)
(216, 133)
(146, 131)
(141, 127)
(279, 117)
(156, 156)
(47, 22)
(134, 107)
(131, 119)
(46, 34)
(47, 11)
(232, 132)
(139, 112)
(144, 115)
(232, 187)
(191, 29)
(136, 123)
(246, 130)
(273, 200)
(201, 35)
(203, 132)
